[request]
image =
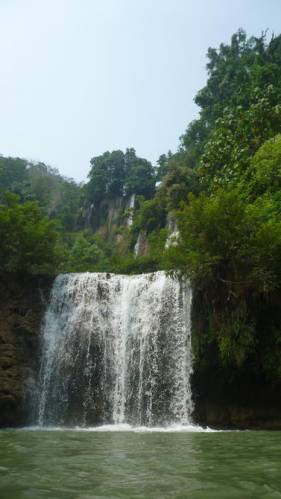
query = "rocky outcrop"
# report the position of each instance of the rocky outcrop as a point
(22, 302)
(109, 214)
(142, 246)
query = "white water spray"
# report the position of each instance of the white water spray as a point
(116, 350)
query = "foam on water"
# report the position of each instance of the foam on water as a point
(127, 428)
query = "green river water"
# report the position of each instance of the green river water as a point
(88, 464)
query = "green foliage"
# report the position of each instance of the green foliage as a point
(179, 181)
(151, 215)
(231, 70)
(28, 239)
(84, 251)
(106, 176)
(242, 76)
(264, 173)
(237, 136)
(115, 174)
(131, 265)
(236, 339)
(58, 197)
(139, 175)
(222, 237)
(13, 174)
(224, 184)
(84, 254)
(163, 165)
(230, 246)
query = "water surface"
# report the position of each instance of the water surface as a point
(108, 464)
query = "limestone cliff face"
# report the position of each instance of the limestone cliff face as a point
(110, 214)
(22, 303)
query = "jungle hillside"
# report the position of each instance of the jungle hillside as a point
(211, 212)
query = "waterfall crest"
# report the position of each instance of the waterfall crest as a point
(116, 349)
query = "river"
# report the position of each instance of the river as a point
(79, 464)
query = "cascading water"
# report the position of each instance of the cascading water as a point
(116, 349)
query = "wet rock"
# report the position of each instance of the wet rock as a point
(22, 302)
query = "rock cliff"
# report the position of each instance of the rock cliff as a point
(22, 303)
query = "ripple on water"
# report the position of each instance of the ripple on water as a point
(136, 464)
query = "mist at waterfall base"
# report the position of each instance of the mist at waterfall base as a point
(116, 353)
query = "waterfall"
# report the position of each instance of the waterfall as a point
(116, 349)
(173, 232)
(131, 206)
(137, 245)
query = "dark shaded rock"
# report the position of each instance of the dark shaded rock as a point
(23, 299)
(224, 396)
(245, 402)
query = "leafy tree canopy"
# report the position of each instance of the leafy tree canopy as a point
(116, 174)
(58, 197)
(28, 239)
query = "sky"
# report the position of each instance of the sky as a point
(80, 77)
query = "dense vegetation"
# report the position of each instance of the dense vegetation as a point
(221, 189)
(28, 239)
(230, 231)
(117, 174)
(58, 197)
(84, 239)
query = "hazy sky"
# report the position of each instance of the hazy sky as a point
(79, 77)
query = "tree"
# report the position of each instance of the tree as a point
(28, 239)
(139, 175)
(264, 174)
(238, 75)
(13, 174)
(84, 254)
(58, 197)
(237, 136)
(115, 174)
